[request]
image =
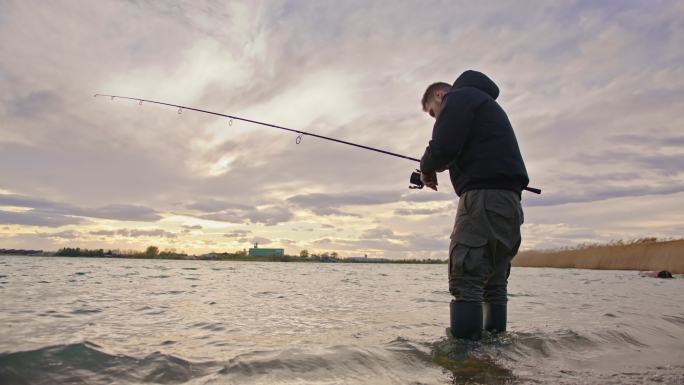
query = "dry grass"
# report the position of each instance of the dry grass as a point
(640, 254)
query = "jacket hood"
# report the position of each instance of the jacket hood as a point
(478, 80)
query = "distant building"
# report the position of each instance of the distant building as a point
(366, 259)
(261, 252)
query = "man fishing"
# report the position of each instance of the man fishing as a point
(473, 139)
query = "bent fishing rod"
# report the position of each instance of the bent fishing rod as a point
(415, 181)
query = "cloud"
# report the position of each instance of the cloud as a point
(389, 243)
(56, 213)
(330, 204)
(423, 246)
(593, 89)
(121, 212)
(187, 229)
(135, 233)
(109, 233)
(212, 205)
(602, 221)
(605, 192)
(648, 140)
(261, 240)
(410, 212)
(224, 211)
(68, 234)
(425, 195)
(377, 233)
(151, 233)
(29, 202)
(44, 218)
(237, 233)
(33, 104)
(268, 216)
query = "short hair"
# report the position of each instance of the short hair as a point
(431, 90)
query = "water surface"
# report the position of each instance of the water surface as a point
(104, 321)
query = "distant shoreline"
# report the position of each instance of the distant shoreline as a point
(314, 258)
(646, 254)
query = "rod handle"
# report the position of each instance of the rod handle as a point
(533, 190)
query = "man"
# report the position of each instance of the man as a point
(474, 140)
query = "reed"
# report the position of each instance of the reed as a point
(639, 254)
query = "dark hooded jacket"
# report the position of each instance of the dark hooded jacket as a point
(473, 138)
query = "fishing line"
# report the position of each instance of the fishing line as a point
(300, 133)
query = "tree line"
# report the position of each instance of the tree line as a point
(153, 252)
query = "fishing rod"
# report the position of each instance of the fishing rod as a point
(415, 181)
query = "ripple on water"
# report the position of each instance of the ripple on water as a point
(396, 360)
(90, 363)
(620, 338)
(427, 300)
(215, 327)
(172, 292)
(87, 363)
(85, 311)
(53, 313)
(525, 346)
(679, 321)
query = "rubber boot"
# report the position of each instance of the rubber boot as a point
(466, 320)
(495, 317)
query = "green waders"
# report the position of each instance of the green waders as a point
(485, 239)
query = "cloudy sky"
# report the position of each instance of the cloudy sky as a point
(595, 92)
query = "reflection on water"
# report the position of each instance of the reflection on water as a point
(469, 361)
(102, 321)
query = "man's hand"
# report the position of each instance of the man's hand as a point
(429, 179)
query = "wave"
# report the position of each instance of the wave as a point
(395, 363)
(87, 362)
(557, 356)
(509, 358)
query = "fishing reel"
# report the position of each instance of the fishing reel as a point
(415, 181)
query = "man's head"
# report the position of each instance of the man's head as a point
(432, 99)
